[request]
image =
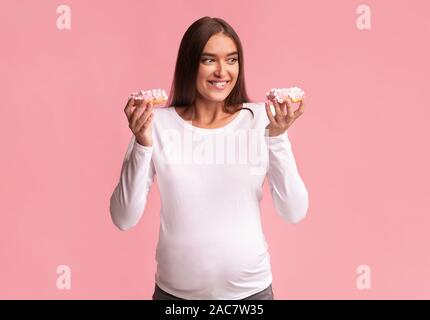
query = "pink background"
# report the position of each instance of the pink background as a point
(360, 146)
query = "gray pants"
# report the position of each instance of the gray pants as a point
(266, 294)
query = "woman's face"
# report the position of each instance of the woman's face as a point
(218, 68)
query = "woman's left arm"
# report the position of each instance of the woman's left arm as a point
(289, 193)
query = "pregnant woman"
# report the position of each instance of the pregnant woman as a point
(210, 149)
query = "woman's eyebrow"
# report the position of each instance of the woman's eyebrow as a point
(206, 54)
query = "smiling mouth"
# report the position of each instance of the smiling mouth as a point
(219, 84)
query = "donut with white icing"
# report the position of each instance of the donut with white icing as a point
(155, 96)
(280, 94)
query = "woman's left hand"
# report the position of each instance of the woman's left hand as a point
(284, 116)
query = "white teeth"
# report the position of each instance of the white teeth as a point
(219, 84)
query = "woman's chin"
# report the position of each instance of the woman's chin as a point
(218, 96)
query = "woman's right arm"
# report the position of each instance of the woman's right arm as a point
(129, 198)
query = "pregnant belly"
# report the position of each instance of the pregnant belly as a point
(203, 263)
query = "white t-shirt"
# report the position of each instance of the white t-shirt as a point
(211, 243)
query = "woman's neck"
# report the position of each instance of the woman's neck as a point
(207, 112)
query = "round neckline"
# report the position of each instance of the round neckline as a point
(208, 130)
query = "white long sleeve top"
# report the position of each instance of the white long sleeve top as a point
(211, 244)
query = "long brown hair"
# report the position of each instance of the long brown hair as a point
(183, 90)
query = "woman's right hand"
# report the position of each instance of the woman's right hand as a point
(139, 116)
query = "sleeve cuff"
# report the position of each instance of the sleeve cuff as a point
(140, 147)
(280, 142)
(281, 137)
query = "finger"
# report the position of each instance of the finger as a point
(136, 114)
(144, 117)
(269, 112)
(282, 105)
(301, 108)
(290, 112)
(128, 107)
(146, 123)
(277, 107)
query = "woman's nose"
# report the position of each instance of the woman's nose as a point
(221, 69)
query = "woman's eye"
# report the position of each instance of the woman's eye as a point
(233, 60)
